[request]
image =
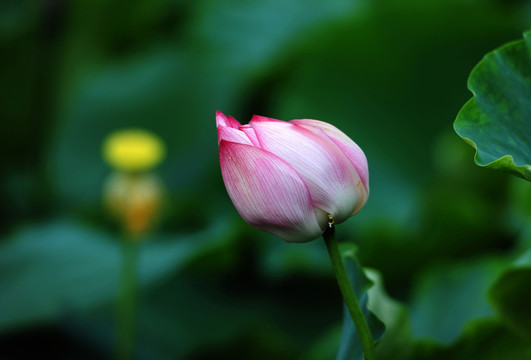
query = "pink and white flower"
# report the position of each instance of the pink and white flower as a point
(291, 178)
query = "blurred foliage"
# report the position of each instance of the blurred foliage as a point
(448, 296)
(510, 295)
(71, 255)
(440, 233)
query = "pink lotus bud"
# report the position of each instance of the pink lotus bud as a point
(291, 178)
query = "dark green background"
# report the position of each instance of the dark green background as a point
(391, 74)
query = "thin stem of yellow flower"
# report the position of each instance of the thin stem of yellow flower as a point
(127, 301)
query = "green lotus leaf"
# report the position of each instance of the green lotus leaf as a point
(65, 267)
(482, 339)
(497, 120)
(449, 296)
(511, 293)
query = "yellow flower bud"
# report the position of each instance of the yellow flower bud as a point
(133, 150)
(134, 199)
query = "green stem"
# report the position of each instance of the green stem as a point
(127, 298)
(347, 291)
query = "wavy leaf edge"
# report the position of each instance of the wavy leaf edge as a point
(504, 163)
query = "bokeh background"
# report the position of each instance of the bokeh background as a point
(391, 74)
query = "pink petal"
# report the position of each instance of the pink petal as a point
(229, 121)
(326, 171)
(249, 131)
(258, 118)
(351, 150)
(233, 135)
(268, 193)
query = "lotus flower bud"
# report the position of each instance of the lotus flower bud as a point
(134, 199)
(291, 178)
(132, 194)
(133, 150)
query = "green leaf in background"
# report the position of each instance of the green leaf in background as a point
(511, 295)
(520, 212)
(350, 345)
(53, 269)
(497, 120)
(250, 40)
(394, 314)
(281, 259)
(482, 339)
(191, 315)
(449, 295)
(16, 18)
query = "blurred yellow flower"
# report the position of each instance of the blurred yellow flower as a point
(134, 199)
(133, 150)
